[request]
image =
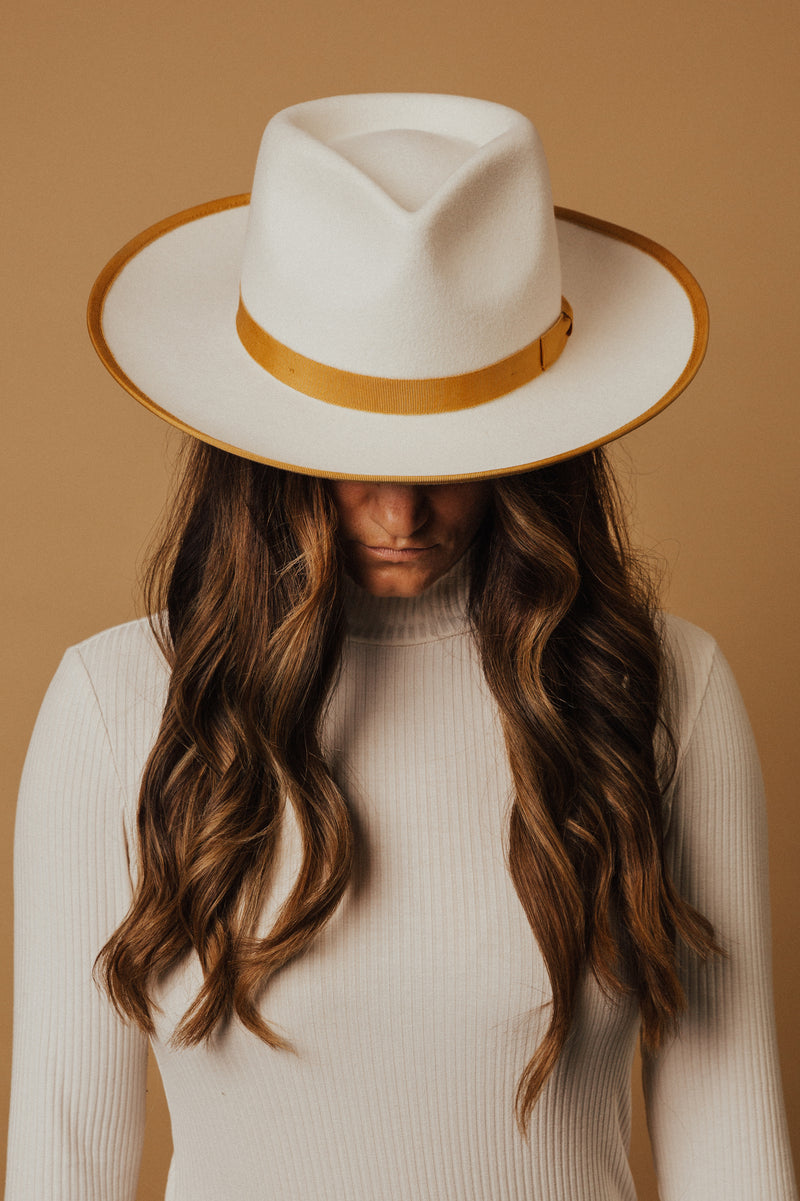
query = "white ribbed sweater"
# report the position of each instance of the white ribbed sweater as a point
(415, 1011)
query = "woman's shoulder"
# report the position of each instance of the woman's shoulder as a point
(690, 649)
(124, 664)
(132, 644)
(691, 656)
(703, 702)
(121, 673)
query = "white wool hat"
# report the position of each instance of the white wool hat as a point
(397, 299)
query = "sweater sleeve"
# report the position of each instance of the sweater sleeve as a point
(713, 1093)
(78, 1077)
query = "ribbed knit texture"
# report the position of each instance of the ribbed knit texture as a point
(415, 1011)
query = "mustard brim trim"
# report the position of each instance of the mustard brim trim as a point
(127, 252)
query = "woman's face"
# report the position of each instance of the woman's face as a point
(398, 538)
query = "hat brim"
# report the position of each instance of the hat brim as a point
(162, 317)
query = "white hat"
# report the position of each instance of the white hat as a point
(397, 299)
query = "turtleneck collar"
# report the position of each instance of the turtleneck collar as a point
(438, 612)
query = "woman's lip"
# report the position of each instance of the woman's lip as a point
(389, 553)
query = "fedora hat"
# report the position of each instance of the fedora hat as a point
(398, 299)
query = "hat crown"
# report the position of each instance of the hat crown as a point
(410, 165)
(402, 235)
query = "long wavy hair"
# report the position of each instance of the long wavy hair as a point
(245, 593)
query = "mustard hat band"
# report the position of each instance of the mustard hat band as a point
(378, 394)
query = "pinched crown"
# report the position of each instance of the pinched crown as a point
(403, 235)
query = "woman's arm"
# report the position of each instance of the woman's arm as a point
(78, 1084)
(714, 1101)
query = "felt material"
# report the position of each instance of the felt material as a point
(380, 394)
(401, 236)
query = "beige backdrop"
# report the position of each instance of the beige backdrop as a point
(679, 120)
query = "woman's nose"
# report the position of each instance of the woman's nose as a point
(401, 509)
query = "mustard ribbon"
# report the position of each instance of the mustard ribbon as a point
(378, 394)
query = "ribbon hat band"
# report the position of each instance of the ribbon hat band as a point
(377, 394)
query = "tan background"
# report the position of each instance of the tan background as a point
(678, 119)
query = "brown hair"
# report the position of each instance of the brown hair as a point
(246, 597)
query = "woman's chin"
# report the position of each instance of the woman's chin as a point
(394, 579)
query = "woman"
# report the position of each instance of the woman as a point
(415, 809)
